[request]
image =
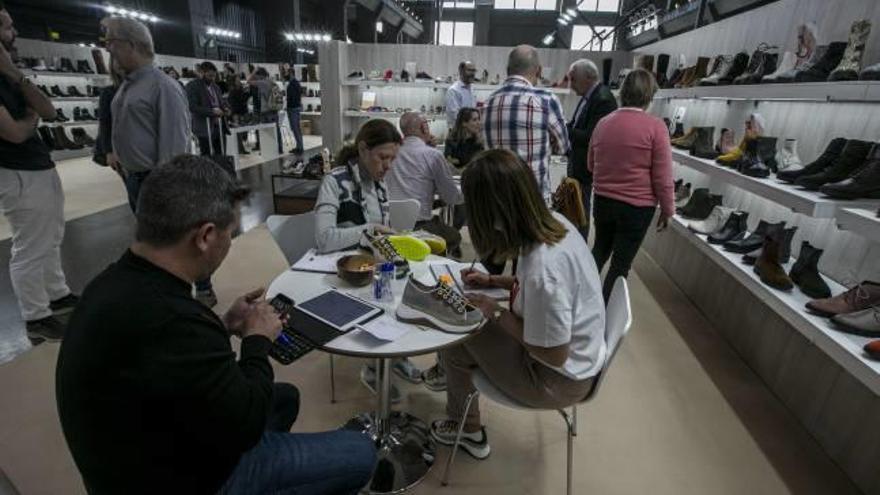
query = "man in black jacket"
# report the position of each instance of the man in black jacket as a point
(207, 108)
(150, 395)
(294, 110)
(596, 102)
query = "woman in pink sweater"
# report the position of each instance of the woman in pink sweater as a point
(631, 162)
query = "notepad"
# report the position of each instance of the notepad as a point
(320, 263)
(454, 269)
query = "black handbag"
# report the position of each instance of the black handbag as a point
(225, 161)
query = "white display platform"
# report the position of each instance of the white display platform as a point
(836, 92)
(863, 221)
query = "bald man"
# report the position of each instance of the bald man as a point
(461, 95)
(419, 172)
(526, 120)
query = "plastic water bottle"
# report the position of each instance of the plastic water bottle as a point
(382, 290)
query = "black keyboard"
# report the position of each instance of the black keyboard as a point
(290, 345)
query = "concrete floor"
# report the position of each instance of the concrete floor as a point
(680, 413)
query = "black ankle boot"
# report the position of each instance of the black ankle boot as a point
(704, 146)
(734, 229)
(805, 273)
(760, 157)
(825, 160)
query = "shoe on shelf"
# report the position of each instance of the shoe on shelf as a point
(64, 304)
(700, 205)
(865, 183)
(863, 296)
(787, 64)
(475, 444)
(754, 240)
(851, 63)
(819, 70)
(739, 65)
(63, 141)
(49, 329)
(207, 297)
(732, 157)
(81, 137)
(434, 378)
(826, 159)
(678, 131)
(686, 141)
(703, 146)
(438, 306)
(817, 54)
(805, 272)
(762, 62)
(405, 369)
(47, 137)
(368, 378)
(870, 73)
(760, 157)
(726, 142)
(865, 322)
(74, 91)
(787, 158)
(719, 65)
(381, 247)
(713, 223)
(682, 195)
(768, 267)
(872, 349)
(785, 239)
(851, 159)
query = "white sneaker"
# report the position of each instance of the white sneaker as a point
(476, 444)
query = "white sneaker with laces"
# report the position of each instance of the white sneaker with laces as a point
(476, 444)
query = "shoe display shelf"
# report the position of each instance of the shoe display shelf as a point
(73, 99)
(831, 92)
(435, 85)
(844, 348)
(100, 78)
(863, 221)
(810, 203)
(387, 115)
(60, 155)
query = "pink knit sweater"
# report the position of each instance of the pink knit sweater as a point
(631, 160)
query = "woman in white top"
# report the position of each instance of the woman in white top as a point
(547, 348)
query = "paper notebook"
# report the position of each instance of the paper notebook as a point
(320, 263)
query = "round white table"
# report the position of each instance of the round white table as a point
(406, 450)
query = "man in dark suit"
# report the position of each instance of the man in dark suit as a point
(596, 102)
(206, 105)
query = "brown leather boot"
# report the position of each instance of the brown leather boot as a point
(768, 266)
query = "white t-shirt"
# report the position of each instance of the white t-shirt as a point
(559, 298)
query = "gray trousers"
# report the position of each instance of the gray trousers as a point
(511, 368)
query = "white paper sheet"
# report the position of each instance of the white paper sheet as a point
(385, 328)
(320, 263)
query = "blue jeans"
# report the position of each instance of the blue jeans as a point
(339, 461)
(133, 182)
(293, 117)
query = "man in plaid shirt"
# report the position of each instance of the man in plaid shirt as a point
(525, 119)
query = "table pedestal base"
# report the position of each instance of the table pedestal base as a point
(405, 454)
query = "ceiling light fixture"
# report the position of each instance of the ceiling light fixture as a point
(133, 14)
(308, 37)
(223, 33)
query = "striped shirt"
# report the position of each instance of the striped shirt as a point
(528, 121)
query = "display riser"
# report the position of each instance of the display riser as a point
(835, 407)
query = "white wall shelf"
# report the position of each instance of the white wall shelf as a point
(435, 85)
(810, 203)
(840, 92)
(311, 114)
(58, 155)
(388, 115)
(844, 348)
(71, 123)
(39, 73)
(860, 221)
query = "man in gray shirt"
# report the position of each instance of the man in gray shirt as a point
(151, 121)
(419, 172)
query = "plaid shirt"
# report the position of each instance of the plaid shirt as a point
(528, 121)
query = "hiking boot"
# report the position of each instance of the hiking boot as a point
(476, 444)
(851, 63)
(865, 322)
(826, 159)
(805, 272)
(769, 265)
(761, 63)
(434, 378)
(49, 329)
(851, 159)
(381, 247)
(368, 378)
(819, 70)
(438, 306)
(862, 296)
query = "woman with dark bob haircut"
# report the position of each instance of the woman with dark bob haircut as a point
(547, 348)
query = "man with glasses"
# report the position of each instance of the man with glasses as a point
(31, 198)
(151, 119)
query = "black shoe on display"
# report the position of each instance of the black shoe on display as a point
(754, 240)
(67, 65)
(60, 117)
(825, 160)
(46, 136)
(735, 228)
(737, 67)
(704, 146)
(805, 273)
(74, 91)
(864, 183)
(785, 238)
(56, 91)
(76, 115)
(821, 69)
(759, 158)
(44, 90)
(851, 159)
(700, 205)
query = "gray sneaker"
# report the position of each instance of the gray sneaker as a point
(438, 306)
